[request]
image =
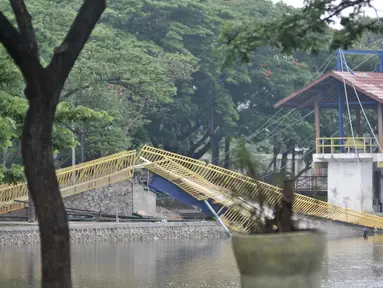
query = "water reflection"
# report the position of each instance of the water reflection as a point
(135, 264)
(191, 264)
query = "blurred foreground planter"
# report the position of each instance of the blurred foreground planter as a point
(281, 260)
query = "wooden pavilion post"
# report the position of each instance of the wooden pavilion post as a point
(380, 126)
(317, 125)
(357, 112)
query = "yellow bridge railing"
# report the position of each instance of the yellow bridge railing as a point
(346, 145)
(195, 177)
(246, 187)
(75, 179)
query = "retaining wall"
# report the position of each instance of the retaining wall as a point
(81, 232)
(109, 199)
(123, 198)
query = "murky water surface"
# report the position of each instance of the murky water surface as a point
(351, 263)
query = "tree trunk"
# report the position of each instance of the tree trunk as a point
(214, 150)
(198, 154)
(293, 159)
(43, 186)
(82, 155)
(17, 154)
(43, 88)
(193, 147)
(226, 164)
(214, 142)
(31, 209)
(5, 157)
(275, 156)
(284, 162)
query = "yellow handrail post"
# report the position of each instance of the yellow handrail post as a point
(365, 144)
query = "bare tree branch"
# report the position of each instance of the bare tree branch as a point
(198, 154)
(190, 131)
(201, 141)
(307, 167)
(335, 10)
(65, 56)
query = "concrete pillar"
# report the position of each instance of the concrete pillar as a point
(317, 125)
(340, 116)
(350, 183)
(380, 125)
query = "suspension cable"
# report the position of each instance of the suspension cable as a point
(348, 106)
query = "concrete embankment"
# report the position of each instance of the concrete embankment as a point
(90, 232)
(17, 234)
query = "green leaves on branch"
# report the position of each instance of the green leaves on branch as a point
(7, 132)
(13, 175)
(305, 29)
(68, 113)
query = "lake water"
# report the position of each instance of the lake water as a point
(351, 263)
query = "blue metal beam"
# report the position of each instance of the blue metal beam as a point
(217, 217)
(363, 52)
(339, 60)
(160, 184)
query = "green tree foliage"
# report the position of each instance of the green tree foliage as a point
(213, 102)
(154, 72)
(13, 107)
(306, 29)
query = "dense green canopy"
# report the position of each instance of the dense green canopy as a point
(154, 72)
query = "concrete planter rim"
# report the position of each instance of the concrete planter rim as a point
(280, 260)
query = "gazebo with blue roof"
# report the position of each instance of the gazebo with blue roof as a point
(353, 162)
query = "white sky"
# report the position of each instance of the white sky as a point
(378, 4)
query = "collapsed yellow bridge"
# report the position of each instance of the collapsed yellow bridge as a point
(203, 182)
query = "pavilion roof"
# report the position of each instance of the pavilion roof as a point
(369, 86)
